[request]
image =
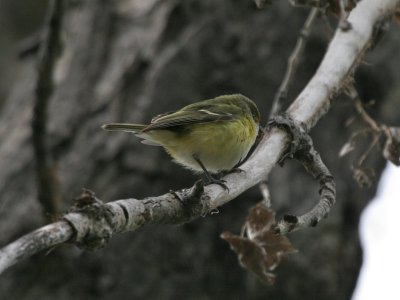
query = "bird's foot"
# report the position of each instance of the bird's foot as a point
(236, 170)
(231, 171)
(220, 182)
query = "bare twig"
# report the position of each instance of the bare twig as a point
(47, 184)
(374, 128)
(377, 130)
(353, 94)
(301, 148)
(293, 61)
(343, 54)
(374, 142)
(313, 163)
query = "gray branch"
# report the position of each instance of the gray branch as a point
(301, 148)
(314, 165)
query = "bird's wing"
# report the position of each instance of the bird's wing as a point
(189, 115)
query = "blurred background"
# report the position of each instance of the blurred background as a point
(128, 60)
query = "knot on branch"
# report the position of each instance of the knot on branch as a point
(193, 201)
(91, 220)
(300, 142)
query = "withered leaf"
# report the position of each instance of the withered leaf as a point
(364, 176)
(261, 250)
(251, 256)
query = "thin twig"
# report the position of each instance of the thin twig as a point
(301, 148)
(351, 91)
(293, 61)
(313, 163)
(374, 127)
(374, 142)
(47, 183)
(378, 129)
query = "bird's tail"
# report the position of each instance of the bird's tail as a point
(123, 127)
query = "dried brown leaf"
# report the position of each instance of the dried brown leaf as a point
(251, 256)
(259, 220)
(262, 249)
(365, 177)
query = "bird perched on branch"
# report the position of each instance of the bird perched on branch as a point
(208, 136)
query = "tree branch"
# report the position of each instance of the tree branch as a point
(34, 242)
(302, 148)
(343, 55)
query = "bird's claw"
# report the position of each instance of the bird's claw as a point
(237, 170)
(220, 182)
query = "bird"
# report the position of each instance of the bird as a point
(209, 136)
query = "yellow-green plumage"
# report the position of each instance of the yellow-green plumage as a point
(218, 132)
(217, 147)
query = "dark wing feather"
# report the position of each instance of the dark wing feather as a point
(187, 117)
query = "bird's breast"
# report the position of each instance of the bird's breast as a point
(219, 146)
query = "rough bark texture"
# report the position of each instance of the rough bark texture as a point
(129, 60)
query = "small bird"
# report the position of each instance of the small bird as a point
(208, 136)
